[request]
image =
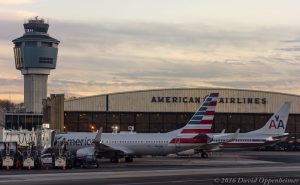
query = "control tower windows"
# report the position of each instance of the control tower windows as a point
(46, 44)
(55, 45)
(19, 62)
(30, 43)
(18, 44)
(46, 60)
(18, 58)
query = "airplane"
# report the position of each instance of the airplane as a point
(128, 145)
(216, 141)
(271, 133)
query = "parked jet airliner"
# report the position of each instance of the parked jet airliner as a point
(272, 132)
(128, 145)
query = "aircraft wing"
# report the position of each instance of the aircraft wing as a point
(275, 140)
(101, 148)
(281, 138)
(105, 150)
(213, 145)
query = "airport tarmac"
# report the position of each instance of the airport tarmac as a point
(219, 167)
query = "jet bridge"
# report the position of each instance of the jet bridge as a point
(41, 137)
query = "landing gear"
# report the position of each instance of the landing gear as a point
(129, 159)
(204, 155)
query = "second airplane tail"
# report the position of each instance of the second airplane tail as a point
(277, 123)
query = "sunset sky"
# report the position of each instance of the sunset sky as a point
(122, 45)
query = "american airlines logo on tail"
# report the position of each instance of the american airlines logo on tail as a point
(200, 123)
(202, 120)
(278, 123)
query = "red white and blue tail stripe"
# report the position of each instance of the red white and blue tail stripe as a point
(202, 120)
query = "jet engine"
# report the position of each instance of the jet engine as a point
(81, 153)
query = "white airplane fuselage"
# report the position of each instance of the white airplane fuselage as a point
(243, 140)
(134, 143)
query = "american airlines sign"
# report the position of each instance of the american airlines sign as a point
(185, 99)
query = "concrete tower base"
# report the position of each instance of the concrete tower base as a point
(35, 90)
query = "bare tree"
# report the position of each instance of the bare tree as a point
(7, 105)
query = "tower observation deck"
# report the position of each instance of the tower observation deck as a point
(35, 55)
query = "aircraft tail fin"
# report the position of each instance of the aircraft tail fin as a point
(201, 121)
(277, 123)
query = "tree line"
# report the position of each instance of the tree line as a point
(8, 105)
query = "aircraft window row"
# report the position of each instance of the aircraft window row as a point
(131, 142)
(239, 140)
(244, 140)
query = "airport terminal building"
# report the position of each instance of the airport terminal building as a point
(163, 110)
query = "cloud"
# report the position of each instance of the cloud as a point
(290, 49)
(7, 81)
(291, 41)
(11, 88)
(291, 45)
(107, 57)
(145, 56)
(14, 2)
(17, 16)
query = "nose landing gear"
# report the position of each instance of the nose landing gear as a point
(204, 155)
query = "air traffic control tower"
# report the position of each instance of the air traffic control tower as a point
(35, 55)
